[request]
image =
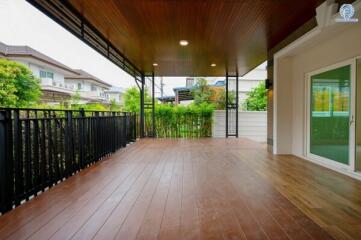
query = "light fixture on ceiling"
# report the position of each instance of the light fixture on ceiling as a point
(213, 65)
(155, 64)
(183, 42)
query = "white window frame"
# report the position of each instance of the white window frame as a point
(323, 160)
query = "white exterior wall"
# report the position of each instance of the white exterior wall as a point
(59, 83)
(56, 84)
(291, 84)
(86, 88)
(115, 96)
(323, 46)
(252, 125)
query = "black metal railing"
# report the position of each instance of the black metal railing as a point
(39, 148)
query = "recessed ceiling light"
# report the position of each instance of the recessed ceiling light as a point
(155, 64)
(183, 42)
(213, 65)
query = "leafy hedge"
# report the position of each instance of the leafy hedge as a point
(192, 121)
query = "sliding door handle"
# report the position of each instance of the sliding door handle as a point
(351, 120)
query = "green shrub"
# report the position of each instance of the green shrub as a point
(257, 98)
(182, 121)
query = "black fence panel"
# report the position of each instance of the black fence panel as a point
(40, 148)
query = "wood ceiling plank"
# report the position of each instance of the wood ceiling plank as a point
(233, 33)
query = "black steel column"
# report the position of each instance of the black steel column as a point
(153, 107)
(141, 114)
(6, 163)
(227, 103)
(232, 104)
(237, 105)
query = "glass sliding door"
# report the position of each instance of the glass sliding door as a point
(358, 114)
(330, 114)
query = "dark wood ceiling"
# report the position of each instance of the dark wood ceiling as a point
(232, 33)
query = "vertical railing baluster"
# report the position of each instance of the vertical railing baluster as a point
(36, 149)
(43, 158)
(68, 144)
(50, 150)
(81, 137)
(96, 135)
(56, 160)
(28, 172)
(18, 158)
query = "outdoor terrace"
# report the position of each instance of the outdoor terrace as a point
(193, 189)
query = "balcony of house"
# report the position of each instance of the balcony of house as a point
(94, 96)
(183, 189)
(148, 174)
(51, 85)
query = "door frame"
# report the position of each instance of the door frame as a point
(352, 129)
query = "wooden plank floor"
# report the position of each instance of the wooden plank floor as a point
(193, 189)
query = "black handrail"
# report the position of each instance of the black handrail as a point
(41, 147)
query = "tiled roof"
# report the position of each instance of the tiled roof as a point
(13, 51)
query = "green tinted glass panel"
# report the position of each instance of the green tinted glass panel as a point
(330, 112)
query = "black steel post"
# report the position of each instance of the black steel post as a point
(6, 162)
(81, 123)
(226, 103)
(153, 107)
(141, 114)
(18, 153)
(237, 100)
(69, 143)
(134, 127)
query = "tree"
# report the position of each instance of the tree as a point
(221, 99)
(257, 98)
(76, 98)
(202, 92)
(132, 99)
(114, 106)
(18, 86)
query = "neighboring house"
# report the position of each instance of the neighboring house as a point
(58, 82)
(115, 94)
(245, 85)
(50, 72)
(91, 88)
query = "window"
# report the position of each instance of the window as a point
(94, 88)
(42, 74)
(79, 86)
(50, 75)
(330, 114)
(45, 74)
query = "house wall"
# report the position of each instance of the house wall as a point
(327, 49)
(284, 106)
(35, 67)
(86, 87)
(252, 125)
(115, 96)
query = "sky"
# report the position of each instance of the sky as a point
(22, 24)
